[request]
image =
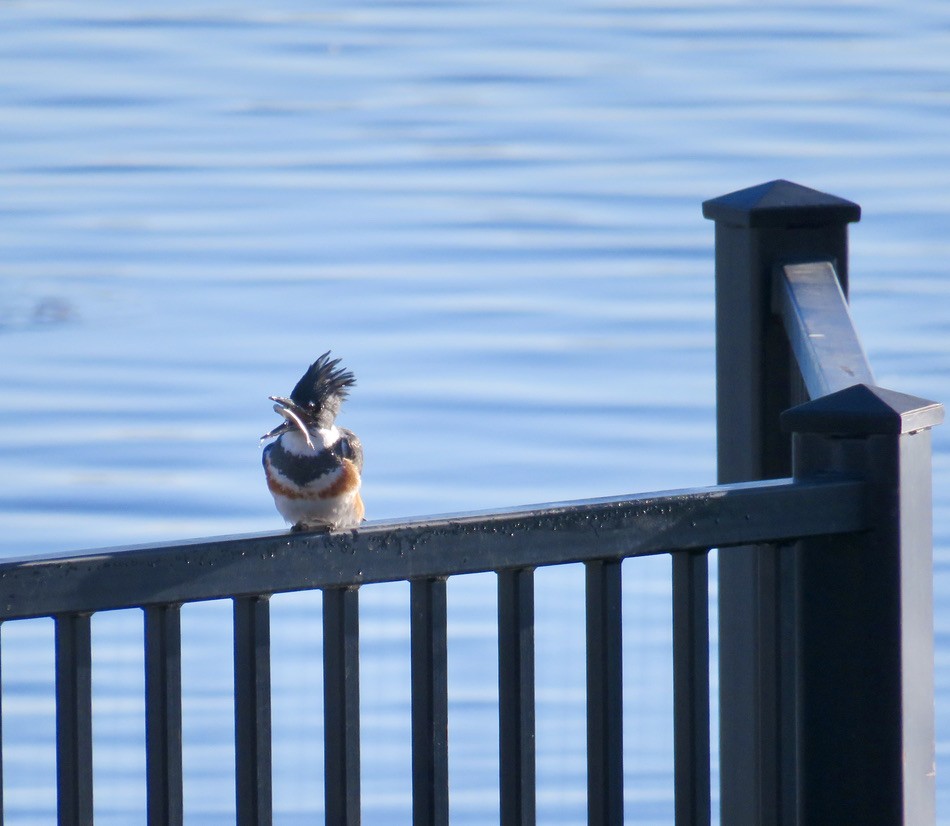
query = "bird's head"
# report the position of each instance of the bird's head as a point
(315, 400)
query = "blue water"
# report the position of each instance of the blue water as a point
(490, 210)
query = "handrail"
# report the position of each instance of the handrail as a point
(820, 330)
(639, 525)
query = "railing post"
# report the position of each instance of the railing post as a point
(864, 706)
(757, 230)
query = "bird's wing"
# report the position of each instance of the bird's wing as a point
(348, 446)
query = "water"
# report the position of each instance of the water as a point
(491, 212)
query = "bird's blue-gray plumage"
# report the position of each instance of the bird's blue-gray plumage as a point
(302, 470)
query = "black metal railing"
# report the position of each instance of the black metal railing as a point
(826, 573)
(600, 533)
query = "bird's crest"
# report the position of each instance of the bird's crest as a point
(324, 385)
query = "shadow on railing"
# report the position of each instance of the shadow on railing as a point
(824, 589)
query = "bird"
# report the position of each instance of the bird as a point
(313, 467)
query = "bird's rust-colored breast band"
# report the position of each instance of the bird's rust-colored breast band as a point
(346, 482)
(278, 489)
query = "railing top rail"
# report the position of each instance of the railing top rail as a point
(820, 330)
(611, 528)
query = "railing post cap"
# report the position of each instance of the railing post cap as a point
(780, 204)
(863, 410)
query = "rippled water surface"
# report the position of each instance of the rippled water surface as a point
(491, 211)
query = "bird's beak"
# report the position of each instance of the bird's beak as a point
(283, 427)
(293, 417)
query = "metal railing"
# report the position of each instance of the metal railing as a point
(824, 590)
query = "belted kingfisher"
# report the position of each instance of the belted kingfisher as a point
(313, 467)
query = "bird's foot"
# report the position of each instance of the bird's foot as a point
(304, 527)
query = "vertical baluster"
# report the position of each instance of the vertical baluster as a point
(163, 715)
(74, 719)
(341, 705)
(691, 687)
(430, 709)
(252, 713)
(516, 696)
(604, 694)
